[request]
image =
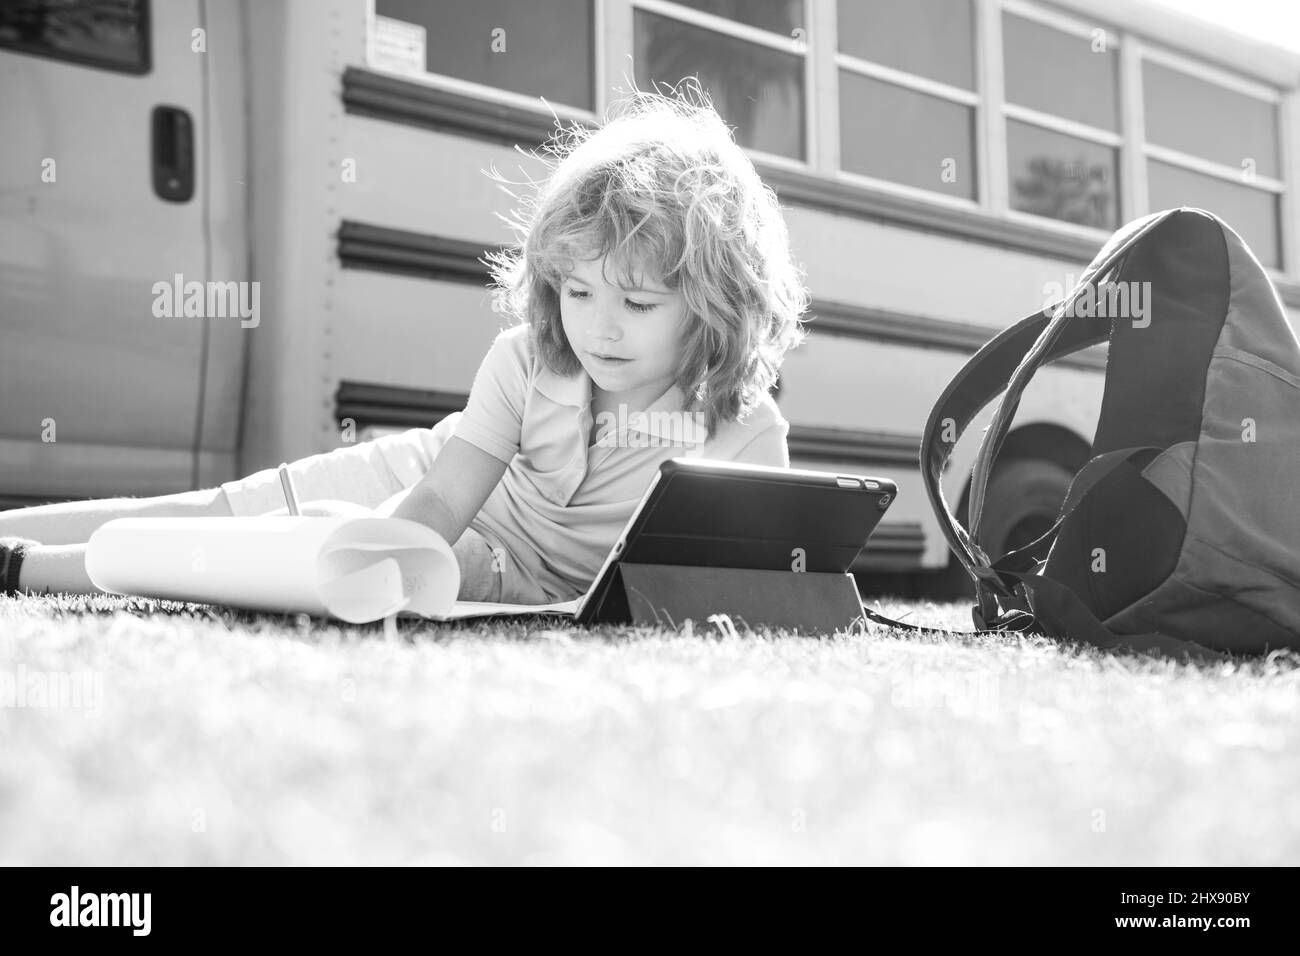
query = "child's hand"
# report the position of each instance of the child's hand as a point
(327, 508)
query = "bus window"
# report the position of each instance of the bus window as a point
(535, 49)
(758, 87)
(110, 34)
(1064, 133)
(1225, 155)
(889, 83)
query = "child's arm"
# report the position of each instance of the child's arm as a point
(769, 448)
(451, 493)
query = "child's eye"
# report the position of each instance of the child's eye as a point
(641, 307)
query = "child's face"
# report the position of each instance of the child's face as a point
(645, 327)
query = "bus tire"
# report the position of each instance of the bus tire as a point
(1022, 502)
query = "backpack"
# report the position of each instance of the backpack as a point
(1181, 535)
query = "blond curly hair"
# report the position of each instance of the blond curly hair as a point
(663, 186)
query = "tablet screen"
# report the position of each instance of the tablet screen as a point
(722, 514)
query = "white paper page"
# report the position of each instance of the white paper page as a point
(356, 569)
(357, 593)
(428, 573)
(463, 609)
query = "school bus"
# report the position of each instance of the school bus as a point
(239, 232)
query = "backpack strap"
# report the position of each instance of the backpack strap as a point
(1005, 365)
(1012, 622)
(1029, 556)
(1059, 613)
(1062, 615)
(981, 380)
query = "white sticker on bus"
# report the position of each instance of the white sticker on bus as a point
(397, 46)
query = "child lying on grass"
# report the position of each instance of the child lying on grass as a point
(655, 298)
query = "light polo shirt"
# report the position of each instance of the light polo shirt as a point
(561, 504)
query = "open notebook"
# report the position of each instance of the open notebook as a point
(355, 569)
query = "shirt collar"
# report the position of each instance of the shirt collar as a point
(575, 390)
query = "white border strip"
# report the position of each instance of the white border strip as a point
(1060, 125)
(824, 91)
(909, 80)
(775, 159)
(1289, 116)
(1060, 21)
(1210, 74)
(1094, 233)
(1217, 170)
(993, 159)
(731, 28)
(600, 98)
(907, 192)
(811, 142)
(1134, 196)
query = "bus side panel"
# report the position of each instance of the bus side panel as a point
(296, 51)
(227, 233)
(100, 373)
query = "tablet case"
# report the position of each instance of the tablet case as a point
(697, 554)
(810, 602)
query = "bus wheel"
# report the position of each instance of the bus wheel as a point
(1022, 502)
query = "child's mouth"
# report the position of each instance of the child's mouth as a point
(603, 360)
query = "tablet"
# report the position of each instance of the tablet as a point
(709, 513)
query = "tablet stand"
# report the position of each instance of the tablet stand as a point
(810, 602)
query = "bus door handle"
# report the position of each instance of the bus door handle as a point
(173, 153)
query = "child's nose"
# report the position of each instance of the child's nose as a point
(607, 325)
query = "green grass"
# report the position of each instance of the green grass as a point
(229, 738)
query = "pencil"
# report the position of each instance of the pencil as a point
(286, 481)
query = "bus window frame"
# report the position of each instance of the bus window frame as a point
(822, 176)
